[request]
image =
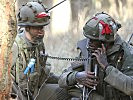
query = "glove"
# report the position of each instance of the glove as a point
(101, 56)
(86, 78)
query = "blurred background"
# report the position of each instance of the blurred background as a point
(68, 19)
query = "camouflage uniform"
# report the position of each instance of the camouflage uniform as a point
(115, 83)
(39, 84)
(40, 78)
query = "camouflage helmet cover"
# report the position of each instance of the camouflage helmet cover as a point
(33, 14)
(101, 27)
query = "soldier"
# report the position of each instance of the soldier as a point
(114, 58)
(31, 75)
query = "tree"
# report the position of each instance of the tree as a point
(7, 36)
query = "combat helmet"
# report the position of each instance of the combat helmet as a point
(101, 27)
(33, 14)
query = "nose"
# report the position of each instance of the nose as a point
(41, 32)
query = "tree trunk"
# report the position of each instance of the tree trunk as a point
(7, 36)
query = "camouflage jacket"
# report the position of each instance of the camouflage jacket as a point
(115, 83)
(23, 51)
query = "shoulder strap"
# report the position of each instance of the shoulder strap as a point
(119, 58)
(20, 44)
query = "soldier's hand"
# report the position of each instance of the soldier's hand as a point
(101, 56)
(87, 79)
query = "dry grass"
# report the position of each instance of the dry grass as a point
(63, 43)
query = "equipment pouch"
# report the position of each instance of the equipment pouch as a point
(33, 81)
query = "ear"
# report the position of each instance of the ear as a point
(27, 28)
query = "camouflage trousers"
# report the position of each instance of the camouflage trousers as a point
(52, 92)
(46, 92)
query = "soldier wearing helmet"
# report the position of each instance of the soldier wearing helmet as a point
(113, 57)
(31, 74)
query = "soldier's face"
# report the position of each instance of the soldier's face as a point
(94, 44)
(37, 32)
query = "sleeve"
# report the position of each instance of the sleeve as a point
(67, 78)
(53, 78)
(119, 80)
(122, 80)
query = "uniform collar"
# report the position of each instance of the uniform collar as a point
(116, 47)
